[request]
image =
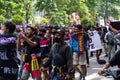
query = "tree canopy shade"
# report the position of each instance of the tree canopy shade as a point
(67, 5)
(60, 9)
(8, 8)
(111, 10)
(17, 19)
(83, 8)
(2, 19)
(59, 18)
(44, 5)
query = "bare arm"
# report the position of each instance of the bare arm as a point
(107, 65)
(113, 29)
(29, 41)
(19, 43)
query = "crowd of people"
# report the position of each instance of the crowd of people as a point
(55, 52)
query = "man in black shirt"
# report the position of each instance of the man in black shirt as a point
(61, 58)
(31, 43)
(8, 54)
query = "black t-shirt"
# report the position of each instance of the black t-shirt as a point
(115, 61)
(32, 50)
(8, 57)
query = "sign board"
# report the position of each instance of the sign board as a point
(95, 42)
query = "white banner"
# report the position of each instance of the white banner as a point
(95, 42)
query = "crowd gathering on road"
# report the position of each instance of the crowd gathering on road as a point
(55, 51)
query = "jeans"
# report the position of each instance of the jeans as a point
(56, 76)
(20, 71)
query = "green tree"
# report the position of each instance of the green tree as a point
(45, 5)
(82, 7)
(59, 18)
(44, 21)
(17, 19)
(69, 6)
(8, 8)
(28, 6)
(112, 10)
(60, 9)
(85, 22)
(2, 19)
(78, 6)
(93, 6)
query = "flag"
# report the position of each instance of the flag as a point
(35, 67)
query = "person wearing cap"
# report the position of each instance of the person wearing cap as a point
(77, 45)
(60, 57)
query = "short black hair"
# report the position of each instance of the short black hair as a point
(89, 26)
(33, 29)
(43, 30)
(10, 25)
(79, 26)
(61, 32)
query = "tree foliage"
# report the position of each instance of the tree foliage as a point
(44, 5)
(83, 8)
(44, 21)
(85, 22)
(58, 18)
(58, 10)
(112, 10)
(17, 19)
(79, 7)
(9, 8)
(2, 19)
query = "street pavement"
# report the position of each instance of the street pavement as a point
(93, 70)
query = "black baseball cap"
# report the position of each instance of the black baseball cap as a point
(43, 30)
(78, 26)
(60, 32)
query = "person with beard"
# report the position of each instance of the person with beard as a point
(8, 54)
(60, 57)
(53, 30)
(31, 43)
